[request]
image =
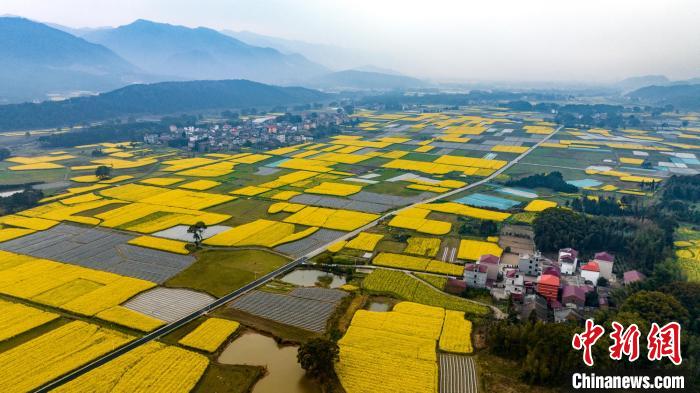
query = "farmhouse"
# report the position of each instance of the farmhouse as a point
(568, 260)
(591, 272)
(475, 275)
(605, 263)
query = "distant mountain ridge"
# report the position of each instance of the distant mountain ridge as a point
(685, 96)
(36, 59)
(154, 99)
(364, 80)
(201, 53)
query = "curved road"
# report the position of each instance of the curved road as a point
(262, 280)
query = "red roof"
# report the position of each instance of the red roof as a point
(490, 259)
(604, 256)
(591, 266)
(548, 279)
(472, 267)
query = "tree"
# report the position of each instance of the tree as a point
(103, 172)
(197, 230)
(317, 357)
(656, 307)
(4, 153)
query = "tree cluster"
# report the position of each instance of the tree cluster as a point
(553, 180)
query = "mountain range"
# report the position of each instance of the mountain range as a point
(201, 53)
(36, 60)
(153, 99)
(40, 61)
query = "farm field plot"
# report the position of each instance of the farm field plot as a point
(391, 351)
(17, 318)
(152, 367)
(218, 272)
(100, 249)
(168, 304)
(55, 353)
(210, 334)
(403, 286)
(457, 374)
(309, 243)
(306, 308)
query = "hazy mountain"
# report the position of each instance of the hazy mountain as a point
(153, 99)
(36, 60)
(373, 68)
(680, 96)
(363, 80)
(333, 57)
(637, 82)
(201, 53)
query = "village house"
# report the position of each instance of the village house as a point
(531, 265)
(514, 284)
(605, 264)
(568, 260)
(492, 264)
(475, 275)
(548, 286)
(575, 295)
(591, 272)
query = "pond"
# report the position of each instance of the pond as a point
(309, 277)
(283, 372)
(379, 306)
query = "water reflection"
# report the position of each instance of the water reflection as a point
(309, 278)
(283, 372)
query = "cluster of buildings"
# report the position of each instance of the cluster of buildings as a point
(556, 290)
(272, 130)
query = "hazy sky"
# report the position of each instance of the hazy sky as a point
(513, 40)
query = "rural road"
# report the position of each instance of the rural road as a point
(267, 277)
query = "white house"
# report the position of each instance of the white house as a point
(568, 261)
(475, 275)
(591, 272)
(531, 265)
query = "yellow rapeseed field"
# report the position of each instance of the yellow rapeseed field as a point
(537, 205)
(474, 249)
(365, 241)
(338, 189)
(150, 368)
(130, 318)
(456, 333)
(210, 334)
(157, 243)
(343, 220)
(162, 181)
(423, 225)
(426, 246)
(464, 210)
(13, 233)
(200, 185)
(250, 191)
(17, 318)
(260, 232)
(391, 352)
(40, 360)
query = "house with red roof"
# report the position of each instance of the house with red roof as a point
(605, 263)
(475, 275)
(575, 294)
(568, 260)
(514, 284)
(491, 262)
(548, 286)
(632, 276)
(591, 272)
